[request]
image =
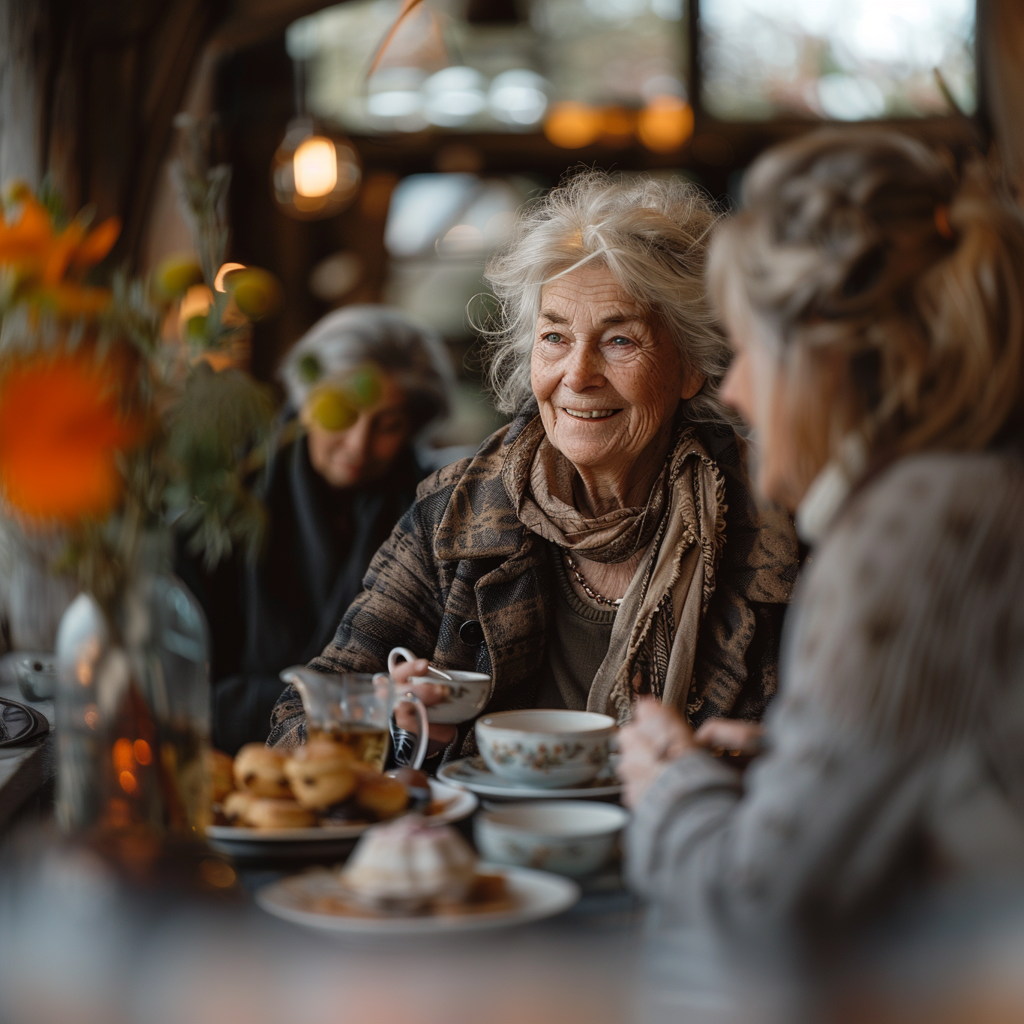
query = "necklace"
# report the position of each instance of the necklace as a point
(587, 589)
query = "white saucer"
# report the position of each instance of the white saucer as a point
(471, 773)
(538, 895)
(241, 841)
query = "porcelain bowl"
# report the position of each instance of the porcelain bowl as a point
(569, 837)
(545, 748)
(466, 696)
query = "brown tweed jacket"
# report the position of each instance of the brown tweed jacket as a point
(464, 583)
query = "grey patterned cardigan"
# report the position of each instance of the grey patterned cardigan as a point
(464, 583)
(896, 746)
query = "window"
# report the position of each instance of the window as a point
(441, 69)
(847, 60)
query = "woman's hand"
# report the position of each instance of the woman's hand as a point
(658, 735)
(655, 737)
(429, 693)
(730, 736)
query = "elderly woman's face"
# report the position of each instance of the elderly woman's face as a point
(364, 452)
(607, 378)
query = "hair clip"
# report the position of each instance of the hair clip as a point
(942, 224)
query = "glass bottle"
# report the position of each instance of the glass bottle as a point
(133, 706)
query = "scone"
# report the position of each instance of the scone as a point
(221, 775)
(267, 812)
(417, 784)
(236, 804)
(321, 774)
(260, 770)
(383, 795)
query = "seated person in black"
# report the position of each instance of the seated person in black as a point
(366, 382)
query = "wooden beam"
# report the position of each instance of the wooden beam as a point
(250, 22)
(179, 42)
(1001, 59)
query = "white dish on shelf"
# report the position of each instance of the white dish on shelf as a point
(538, 895)
(240, 840)
(472, 773)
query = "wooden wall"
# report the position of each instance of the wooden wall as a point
(89, 90)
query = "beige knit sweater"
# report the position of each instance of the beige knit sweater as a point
(896, 746)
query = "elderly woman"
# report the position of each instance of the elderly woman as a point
(604, 544)
(365, 382)
(877, 315)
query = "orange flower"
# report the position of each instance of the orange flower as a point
(61, 430)
(44, 259)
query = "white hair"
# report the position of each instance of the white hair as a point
(650, 233)
(352, 336)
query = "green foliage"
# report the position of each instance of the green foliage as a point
(310, 370)
(207, 430)
(216, 430)
(202, 194)
(364, 386)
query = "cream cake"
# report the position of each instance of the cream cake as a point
(405, 865)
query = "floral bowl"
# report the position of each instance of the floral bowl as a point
(569, 837)
(546, 749)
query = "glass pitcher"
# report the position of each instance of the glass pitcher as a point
(356, 708)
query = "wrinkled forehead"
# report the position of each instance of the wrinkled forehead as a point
(592, 292)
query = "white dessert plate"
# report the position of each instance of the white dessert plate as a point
(538, 894)
(471, 773)
(234, 839)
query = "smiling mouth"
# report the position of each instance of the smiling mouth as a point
(592, 414)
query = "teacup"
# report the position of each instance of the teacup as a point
(546, 749)
(466, 693)
(569, 837)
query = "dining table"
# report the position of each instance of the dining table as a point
(83, 937)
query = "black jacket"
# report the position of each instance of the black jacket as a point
(283, 608)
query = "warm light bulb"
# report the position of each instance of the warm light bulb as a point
(665, 123)
(316, 167)
(313, 175)
(572, 125)
(225, 269)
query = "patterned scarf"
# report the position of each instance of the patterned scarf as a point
(681, 532)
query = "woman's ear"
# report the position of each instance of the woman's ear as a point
(692, 383)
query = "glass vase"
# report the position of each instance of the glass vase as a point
(133, 706)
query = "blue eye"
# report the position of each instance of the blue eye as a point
(553, 338)
(620, 341)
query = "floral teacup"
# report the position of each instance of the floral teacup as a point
(545, 748)
(466, 693)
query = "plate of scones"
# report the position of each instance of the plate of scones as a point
(273, 801)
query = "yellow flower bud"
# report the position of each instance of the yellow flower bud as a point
(176, 274)
(330, 408)
(257, 293)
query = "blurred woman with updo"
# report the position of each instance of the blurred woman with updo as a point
(876, 312)
(362, 385)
